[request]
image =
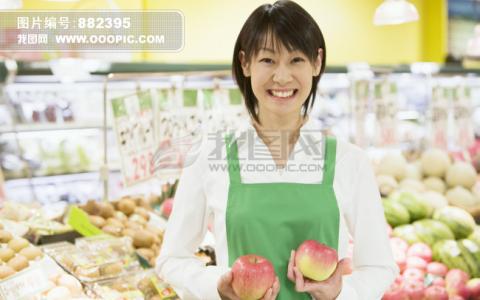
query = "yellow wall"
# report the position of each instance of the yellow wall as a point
(212, 27)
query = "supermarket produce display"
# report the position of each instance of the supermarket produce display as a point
(430, 204)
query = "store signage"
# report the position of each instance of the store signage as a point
(79, 221)
(134, 127)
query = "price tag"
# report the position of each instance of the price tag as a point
(134, 126)
(79, 221)
(24, 285)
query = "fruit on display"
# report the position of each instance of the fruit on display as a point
(127, 216)
(458, 220)
(437, 269)
(167, 207)
(461, 174)
(395, 213)
(461, 197)
(435, 199)
(407, 233)
(435, 162)
(417, 208)
(315, 260)
(473, 286)
(393, 164)
(387, 184)
(252, 275)
(436, 293)
(435, 184)
(431, 231)
(475, 236)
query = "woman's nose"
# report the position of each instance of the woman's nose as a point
(282, 74)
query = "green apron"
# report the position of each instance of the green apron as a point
(271, 219)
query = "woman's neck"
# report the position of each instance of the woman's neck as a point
(279, 123)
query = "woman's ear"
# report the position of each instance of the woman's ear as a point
(245, 65)
(318, 62)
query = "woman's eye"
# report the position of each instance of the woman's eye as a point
(267, 60)
(297, 60)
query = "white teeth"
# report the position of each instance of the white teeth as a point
(284, 94)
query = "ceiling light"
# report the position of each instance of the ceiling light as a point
(392, 12)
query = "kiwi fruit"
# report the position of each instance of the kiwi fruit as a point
(17, 244)
(91, 207)
(138, 218)
(111, 269)
(18, 263)
(129, 232)
(120, 216)
(126, 206)
(106, 210)
(112, 229)
(146, 253)
(143, 239)
(31, 252)
(142, 212)
(134, 225)
(6, 271)
(97, 221)
(6, 254)
(115, 222)
(5, 236)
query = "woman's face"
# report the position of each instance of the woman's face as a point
(281, 80)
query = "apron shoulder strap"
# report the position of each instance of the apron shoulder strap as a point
(330, 159)
(232, 159)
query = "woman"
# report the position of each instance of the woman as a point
(278, 181)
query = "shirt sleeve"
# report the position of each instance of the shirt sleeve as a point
(186, 229)
(374, 268)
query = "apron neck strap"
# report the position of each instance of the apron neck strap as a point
(232, 159)
(330, 158)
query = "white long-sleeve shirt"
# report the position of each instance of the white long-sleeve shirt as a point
(202, 194)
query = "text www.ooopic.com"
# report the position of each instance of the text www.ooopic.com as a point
(266, 167)
(109, 39)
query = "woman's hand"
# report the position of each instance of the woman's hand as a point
(225, 289)
(328, 289)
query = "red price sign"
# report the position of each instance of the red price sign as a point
(135, 136)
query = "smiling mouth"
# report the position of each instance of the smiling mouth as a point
(283, 94)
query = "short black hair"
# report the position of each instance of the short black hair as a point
(287, 23)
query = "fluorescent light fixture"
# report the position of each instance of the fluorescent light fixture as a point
(392, 12)
(424, 68)
(69, 70)
(11, 4)
(473, 44)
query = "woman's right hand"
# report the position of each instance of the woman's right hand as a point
(226, 292)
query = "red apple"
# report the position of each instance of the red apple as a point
(474, 287)
(398, 244)
(421, 250)
(253, 275)
(413, 274)
(315, 260)
(439, 281)
(436, 293)
(437, 269)
(400, 259)
(456, 297)
(395, 292)
(167, 207)
(414, 289)
(456, 283)
(416, 262)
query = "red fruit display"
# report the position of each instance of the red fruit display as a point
(414, 289)
(315, 260)
(456, 283)
(395, 292)
(473, 286)
(413, 274)
(436, 293)
(167, 207)
(416, 262)
(398, 244)
(421, 250)
(439, 281)
(437, 269)
(253, 275)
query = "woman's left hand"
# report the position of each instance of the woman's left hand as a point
(328, 289)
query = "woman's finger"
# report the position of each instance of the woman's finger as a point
(268, 295)
(276, 288)
(290, 273)
(299, 282)
(345, 266)
(225, 281)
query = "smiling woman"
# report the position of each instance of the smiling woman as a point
(278, 60)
